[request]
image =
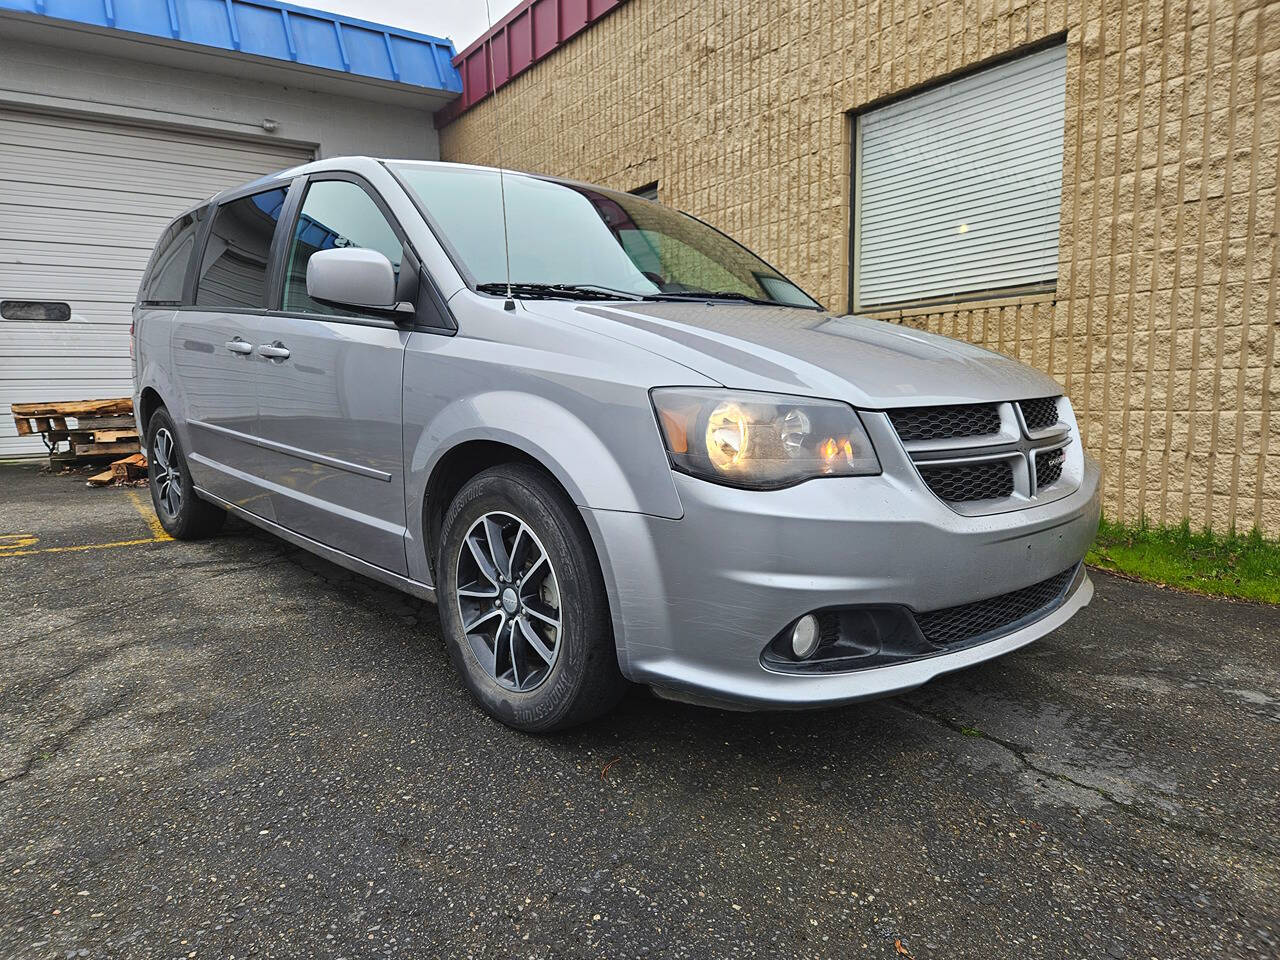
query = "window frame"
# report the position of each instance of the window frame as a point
(469, 279)
(1013, 292)
(148, 272)
(430, 299)
(202, 239)
(427, 286)
(204, 216)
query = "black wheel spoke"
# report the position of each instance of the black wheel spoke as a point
(165, 475)
(508, 600)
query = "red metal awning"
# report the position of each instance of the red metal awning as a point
(530, 32)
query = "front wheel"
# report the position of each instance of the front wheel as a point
(183, 515)
(523, 604)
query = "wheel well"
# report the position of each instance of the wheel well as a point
(453, 471)
(151, 402)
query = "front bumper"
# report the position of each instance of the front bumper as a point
(696, 600)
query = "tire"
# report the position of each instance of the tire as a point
(182, 513)
(510, 676)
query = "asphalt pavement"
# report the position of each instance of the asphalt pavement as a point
(233, 749)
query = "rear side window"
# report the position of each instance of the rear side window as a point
(162, 283)
(233, 272)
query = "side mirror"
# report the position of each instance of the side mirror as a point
(352, 277)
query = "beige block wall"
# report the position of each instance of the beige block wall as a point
(1163, 328)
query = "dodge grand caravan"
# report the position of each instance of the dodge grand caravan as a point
(609, 442)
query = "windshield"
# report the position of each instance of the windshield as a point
(600, 241)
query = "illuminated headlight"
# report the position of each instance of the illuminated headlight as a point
(761, 440)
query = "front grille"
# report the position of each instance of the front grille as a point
(1049, 466)
(1040, 414)
(982, 458)
(940, 423)
(955, 626)
(962, 482)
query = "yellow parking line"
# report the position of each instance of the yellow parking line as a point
(80, 546)
(148, 514)
(22, 545)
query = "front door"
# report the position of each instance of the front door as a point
(214, 357)
(329, 393)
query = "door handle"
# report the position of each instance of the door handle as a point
(239, 346)
(273, 351)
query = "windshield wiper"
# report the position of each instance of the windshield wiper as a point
(558, 291)
(594, 291)
(712, 295)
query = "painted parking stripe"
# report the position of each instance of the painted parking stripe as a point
(24, 544)
(78, 547)
(149, 515)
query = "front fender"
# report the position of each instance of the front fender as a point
(631, 474)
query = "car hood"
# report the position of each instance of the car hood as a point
(869, 363)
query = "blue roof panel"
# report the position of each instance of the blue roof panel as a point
(268, 28)
(199, 21)
(317, 41)
(367, 52)
(261, 31)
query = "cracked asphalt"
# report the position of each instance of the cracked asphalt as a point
(233, 749)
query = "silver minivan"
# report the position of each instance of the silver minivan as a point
(612, 444)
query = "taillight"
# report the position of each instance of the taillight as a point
(131, 336)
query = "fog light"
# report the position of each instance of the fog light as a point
(804, 636)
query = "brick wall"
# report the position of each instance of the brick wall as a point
(1163, 328)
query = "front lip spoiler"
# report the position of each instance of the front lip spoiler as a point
(791, 691)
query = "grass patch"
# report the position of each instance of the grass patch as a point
(1243, 566)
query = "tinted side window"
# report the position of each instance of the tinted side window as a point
(233, 272)
(162, 283)
(335, 213)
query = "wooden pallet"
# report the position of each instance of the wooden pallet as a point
(130, 468)
(125, 470)
(116, 407)
(90, 429)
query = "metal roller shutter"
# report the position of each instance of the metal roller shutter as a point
(82, 202)
(958, 188)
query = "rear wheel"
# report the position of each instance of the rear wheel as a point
(523, 604)
(183, 515)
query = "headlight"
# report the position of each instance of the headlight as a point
(761, 440)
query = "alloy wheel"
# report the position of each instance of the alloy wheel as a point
(165, 476)
(508, 600)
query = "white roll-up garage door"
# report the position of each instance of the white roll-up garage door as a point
(82, 202)
(958, 188)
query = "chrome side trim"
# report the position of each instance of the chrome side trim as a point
(320, 458)
(414, 588)
(225, 431)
